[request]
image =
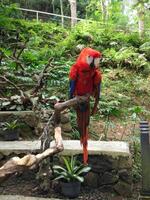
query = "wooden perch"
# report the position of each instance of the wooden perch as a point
(59, 107)
(29, 161)
(70, 103)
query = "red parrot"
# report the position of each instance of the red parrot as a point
(85, 78)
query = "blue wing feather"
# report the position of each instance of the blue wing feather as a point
(72, 88)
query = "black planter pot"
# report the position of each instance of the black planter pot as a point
(71, 189)
(11, 135)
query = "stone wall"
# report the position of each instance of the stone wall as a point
(110, 174)
(110, 161)
(111, 165)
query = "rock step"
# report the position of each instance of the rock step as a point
(71, 147)
(19, 197)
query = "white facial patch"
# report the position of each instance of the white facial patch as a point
(96, 62)
(89, 60)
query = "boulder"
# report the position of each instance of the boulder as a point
(125, 175)
(123, 189)
(91, 180)
(125, 162)
(108, 178)
(28, 121)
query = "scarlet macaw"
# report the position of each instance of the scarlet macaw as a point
(85, 78)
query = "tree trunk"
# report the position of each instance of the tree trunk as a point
(104, 6)
(62, 13)
(53, 6)
(141, 22)
(139, 6)
(73, 8)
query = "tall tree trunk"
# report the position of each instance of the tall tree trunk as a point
(62, 13)
(73, 8)
(53, 6)
(139, 6)
(140, 13)
(104, 6)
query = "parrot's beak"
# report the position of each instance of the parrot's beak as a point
(93, 62)
(96, 62)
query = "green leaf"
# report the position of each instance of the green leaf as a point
(56, 167)
(66, 161)
(59, 177)
(73, 161)
(79, 178)
(84, 170)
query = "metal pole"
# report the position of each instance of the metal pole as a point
(145, 153)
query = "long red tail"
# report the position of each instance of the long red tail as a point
(83, 122)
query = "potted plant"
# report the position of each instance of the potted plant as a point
(10, 131)
(71, 176)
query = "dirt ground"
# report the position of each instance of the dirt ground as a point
(27, 185)
(115, 130)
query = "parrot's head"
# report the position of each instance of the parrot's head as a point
(89, 58)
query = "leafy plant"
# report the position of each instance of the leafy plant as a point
(10, 125)
(72, 170)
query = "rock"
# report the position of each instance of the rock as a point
(125, 175)
(91, 180)
(20, 197)
(67, 127)
(123, 189)
(28, 119)
(118, 198)
(65, 118)
(79, 48)
(28, 116)
(125, 162)
(102, 163)
(106, 188)
(108, 178)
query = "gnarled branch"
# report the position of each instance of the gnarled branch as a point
(29, 161)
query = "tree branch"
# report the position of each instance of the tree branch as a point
(29, 161)
(41, 77)
(24, 97)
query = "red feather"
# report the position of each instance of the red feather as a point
(83, 118)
